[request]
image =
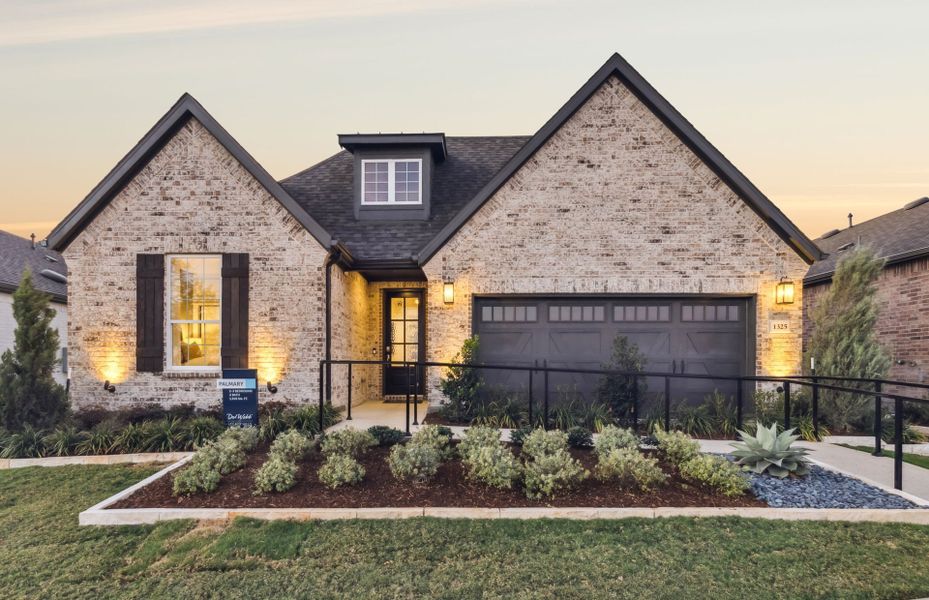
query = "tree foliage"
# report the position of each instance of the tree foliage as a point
(29, 395)
(461, 385)
(619, 391)
(843, 341)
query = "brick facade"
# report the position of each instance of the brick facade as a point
(614, 203)
(193, 197)
(903, 318)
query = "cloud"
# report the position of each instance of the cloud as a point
(24, 22)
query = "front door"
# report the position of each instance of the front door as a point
(403, 337)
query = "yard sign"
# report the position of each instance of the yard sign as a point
(240, 397)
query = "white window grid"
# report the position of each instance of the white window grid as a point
(391, 181)
(169, 349)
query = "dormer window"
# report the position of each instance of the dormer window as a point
(392, 181)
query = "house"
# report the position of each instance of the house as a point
(615, 217)
(901, 238)
(49, 274)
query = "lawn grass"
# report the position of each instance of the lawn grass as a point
(914, 459)
(45, 554)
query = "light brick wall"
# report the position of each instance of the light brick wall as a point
(194, 197)
(614, 203)
(8, 326)
(903, 318)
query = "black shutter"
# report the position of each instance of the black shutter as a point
(235, 311)
(150, 316)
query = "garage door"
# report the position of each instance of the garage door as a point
(683, 335)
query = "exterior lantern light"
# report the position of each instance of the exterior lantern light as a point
(271, 387)
(448, 292)
(109, 386)
(784, 293)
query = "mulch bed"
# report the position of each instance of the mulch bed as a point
(449, 488)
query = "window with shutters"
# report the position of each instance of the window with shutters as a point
(194, 285)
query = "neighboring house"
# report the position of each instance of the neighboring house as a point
(49, 274)
(901, 238)
(616, 217)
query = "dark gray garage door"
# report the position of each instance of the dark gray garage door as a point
(685, 335)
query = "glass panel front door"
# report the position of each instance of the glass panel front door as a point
(402, 337)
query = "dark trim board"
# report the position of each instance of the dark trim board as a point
(713, 158)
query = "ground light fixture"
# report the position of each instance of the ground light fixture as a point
(448, 292)
(109, 386)
(271, 387)
(784, 293)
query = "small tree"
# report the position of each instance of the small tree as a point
(843, 340)
(619, 391)
(29, 395)
(462, 384)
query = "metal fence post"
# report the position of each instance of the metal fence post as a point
(815, 407)
(416, 380)
(786, 405)
(321, 363)
(408, 377)
(530, 397)
(635, 403)
(739, 401)
(878, 418)
(898, 444)
(667, 403)
(348, 416)
(545, 400)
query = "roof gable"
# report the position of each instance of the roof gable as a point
(185, 108)
(649, 96)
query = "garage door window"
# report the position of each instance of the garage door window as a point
(509, 314)
(557, 314)
(642, 313)
(697, 312)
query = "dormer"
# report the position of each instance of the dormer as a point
(393, 173)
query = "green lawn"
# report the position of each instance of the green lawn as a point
(914, 459)
(44, 554)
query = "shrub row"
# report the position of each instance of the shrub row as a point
(279, 471)
(342, 449)
(714, 471)
(418, 460)
(214, 459)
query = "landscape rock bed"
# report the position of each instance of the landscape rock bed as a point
(823, 488)
(449, 489)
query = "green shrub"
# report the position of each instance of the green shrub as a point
(277, 474)
(462, 385)
(195, 478)
(619, 391)
(196, 431)
(629, 466)
(716, 472)
(412, 462)
(772, 452)
(579, 437)
(479, 436)
(223, 455)
(291, 445)
(518, 436)
(130, 439)
(436, 437)
(341, 469)
(99, 440)
(63, 441)
(246, 437)
(492, 464)
(386, 436)
(163, 435)
(612, 438)
(28, 442)
(349, 441)
(543, 443)
(549, 473)
(676, 446)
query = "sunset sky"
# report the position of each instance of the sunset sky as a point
(824, 105)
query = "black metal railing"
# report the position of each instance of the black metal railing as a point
(415, 373)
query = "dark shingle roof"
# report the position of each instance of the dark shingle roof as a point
(17, 254)
(898, 235)
(325, 191)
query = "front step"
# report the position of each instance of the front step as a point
(401, 398)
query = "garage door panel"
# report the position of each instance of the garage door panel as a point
(507, 343)
(575, 343)
(707, 343)
(649, 343)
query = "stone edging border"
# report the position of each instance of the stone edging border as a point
(95, 459)
(100, 515)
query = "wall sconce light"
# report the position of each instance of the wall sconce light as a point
(109, 386)
(784, 293)
(271, 387)
(448, 292)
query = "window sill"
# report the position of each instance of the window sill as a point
(192, 374)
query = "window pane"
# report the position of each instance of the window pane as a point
(486, 314)
(396, 308)
(687, 313)
(698, 313)
(498, 313)
(412, 332)
(652, 313)
(664, 313)
(396, 332)
(412, 352)
(733, 313)
(565, 313)
(210, 332)
(598, 313)
(552, 313)
(212, 267)
(412, 308)
(640, 313)
(509, 313)
(520, 314)
(531, 313)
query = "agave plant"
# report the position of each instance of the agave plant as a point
(768, 451)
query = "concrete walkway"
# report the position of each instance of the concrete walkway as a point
(392, 414)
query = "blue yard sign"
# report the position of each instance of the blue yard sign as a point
(240, 397)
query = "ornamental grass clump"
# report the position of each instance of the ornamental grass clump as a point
(612, 438)
(341, 469)
(629, 467)
(771, 453)
(348, 441)
(715, 472)
(676, 446)
(277, 474)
